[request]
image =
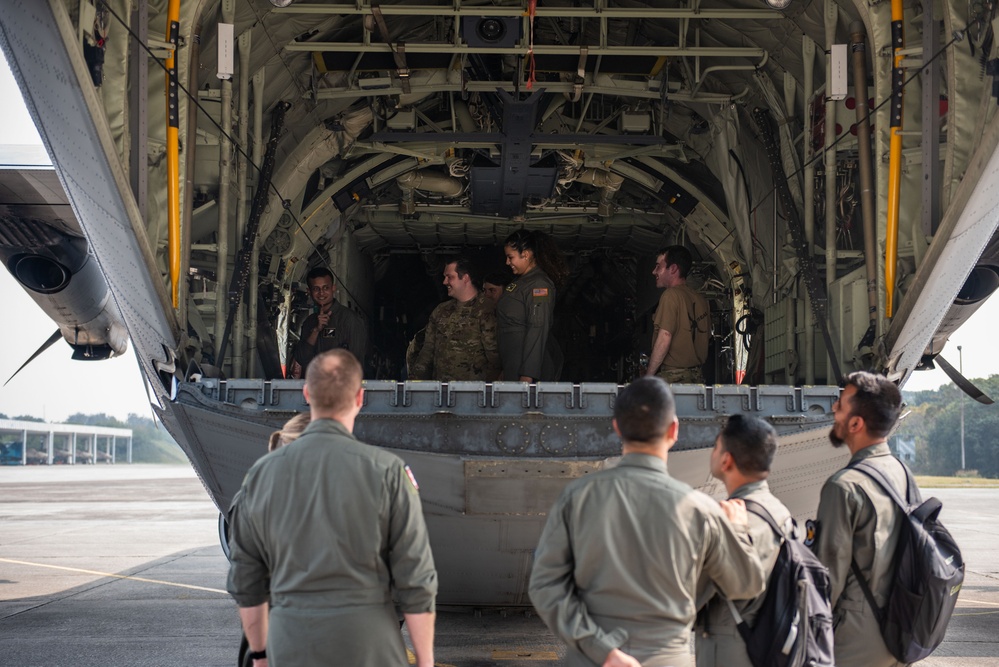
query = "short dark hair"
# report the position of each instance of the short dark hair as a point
(462, 265)
(644, 410)
(677, 254)
(497, 278)
(319, 272)
(878, 402)
(546, 253)
(751, 441)
(333, 379)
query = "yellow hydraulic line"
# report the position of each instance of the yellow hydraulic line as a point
(894, 155)
(173, 149)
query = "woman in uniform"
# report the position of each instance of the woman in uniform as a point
(527, 349)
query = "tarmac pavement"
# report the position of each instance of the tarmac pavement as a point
(120, 566)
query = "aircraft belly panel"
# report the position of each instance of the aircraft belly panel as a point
(519, 487)
(492, 459)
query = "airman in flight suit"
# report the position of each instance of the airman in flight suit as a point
(616, 570)
(858, 521)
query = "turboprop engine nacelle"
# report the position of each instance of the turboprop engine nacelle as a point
(56, 268)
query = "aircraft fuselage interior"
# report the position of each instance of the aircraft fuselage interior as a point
(826, 161)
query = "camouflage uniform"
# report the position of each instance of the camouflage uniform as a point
(681, 375)
(459, 344)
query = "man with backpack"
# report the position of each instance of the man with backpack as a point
(858, 521)
(741, 459)
(894, 568)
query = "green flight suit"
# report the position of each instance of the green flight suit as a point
(857, 519)
(330, 530)
(345, 330)
(524, 317)
(459, 344)
(620, 558)
(717, 640)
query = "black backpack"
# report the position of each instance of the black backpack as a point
(794, 625)
(928, 573)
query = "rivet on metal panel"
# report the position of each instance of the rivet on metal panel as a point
(557, 439)
(512, 438)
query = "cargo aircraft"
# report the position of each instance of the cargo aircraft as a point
(831, 164)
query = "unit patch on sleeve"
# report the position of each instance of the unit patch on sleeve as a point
(412, 478)
(811, 532)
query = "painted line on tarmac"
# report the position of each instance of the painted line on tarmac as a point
(990, 604)
(112, 575)
(411, 659)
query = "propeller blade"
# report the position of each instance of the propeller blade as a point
(963, 382)
(46, 345)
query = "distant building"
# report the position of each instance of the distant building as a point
(904, 449)
(27, 442)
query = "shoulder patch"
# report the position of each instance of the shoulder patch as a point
(811, 532)
(540, 291)
(511, 287)
(412, 478)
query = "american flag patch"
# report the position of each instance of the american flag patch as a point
(412, 478)
(540, 291)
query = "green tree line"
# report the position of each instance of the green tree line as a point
(933, 420)
(150, 441)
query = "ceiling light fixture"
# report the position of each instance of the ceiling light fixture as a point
(285, 3)
(775, 4)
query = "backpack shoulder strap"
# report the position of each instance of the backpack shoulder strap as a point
(868, 593)
(889, 488)
(912, 493)
(761, 511)
(885, 483)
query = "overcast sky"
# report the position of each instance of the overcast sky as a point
(54, 386)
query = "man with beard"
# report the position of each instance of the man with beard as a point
(858, 521)
(460, 338)
(682, 322)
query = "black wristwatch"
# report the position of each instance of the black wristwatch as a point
(257, 655)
